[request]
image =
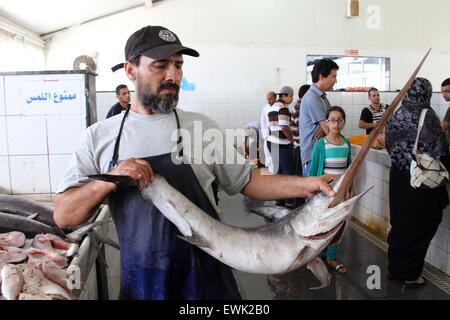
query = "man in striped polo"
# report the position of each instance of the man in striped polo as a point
(280, 140)
(370, 115)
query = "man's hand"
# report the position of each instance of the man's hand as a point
(313, 185)
(137, 169)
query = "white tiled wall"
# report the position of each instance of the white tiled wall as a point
(373, 208)
(36, 141)
(2, 101)
(29, 174)
(26, 135)
(234, 111)
(64, 133)
(105, 100)
(3, 137)
(230, 111)
(5, 179)
(58, 165)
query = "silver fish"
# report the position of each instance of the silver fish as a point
(275, 248)
(274, 213)
(12, 281)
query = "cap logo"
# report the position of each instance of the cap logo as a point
(167, 35)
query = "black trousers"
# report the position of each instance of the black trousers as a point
(415, 216)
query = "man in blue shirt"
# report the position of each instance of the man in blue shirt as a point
(313, 109)
(123, 97)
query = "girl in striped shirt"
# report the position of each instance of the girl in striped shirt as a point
(332, 155)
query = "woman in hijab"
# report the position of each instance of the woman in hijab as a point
(415, 213)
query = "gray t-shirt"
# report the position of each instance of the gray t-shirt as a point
(209, 154)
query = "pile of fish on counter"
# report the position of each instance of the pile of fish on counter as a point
(35, 252)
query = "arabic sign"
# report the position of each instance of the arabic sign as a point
(60, 94)
(55, 97)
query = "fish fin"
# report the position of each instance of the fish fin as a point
(320, 271)
(171, 213)
(196, 240)
(32, 216)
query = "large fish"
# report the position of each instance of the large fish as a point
(27, 207)
(30, 227)
(275, 248)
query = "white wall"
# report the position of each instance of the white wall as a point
(252, 46)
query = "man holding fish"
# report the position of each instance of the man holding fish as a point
(154, 137)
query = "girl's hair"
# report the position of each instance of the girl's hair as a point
(338, 109)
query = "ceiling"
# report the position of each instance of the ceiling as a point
(46, 16)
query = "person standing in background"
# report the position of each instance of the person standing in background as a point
(415, 214)
(270, 97)
(332, 155)
(295, 116)
(314, 107)
(123, 97)
(280, 137)
(373, 113)
(445, 88)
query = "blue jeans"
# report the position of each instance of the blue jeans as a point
(283, 163)
(282, 158)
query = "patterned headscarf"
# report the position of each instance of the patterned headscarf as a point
(402, 127)
(419, 94)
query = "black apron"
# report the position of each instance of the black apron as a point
(155, 263)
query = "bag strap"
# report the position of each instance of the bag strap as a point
(419, 128)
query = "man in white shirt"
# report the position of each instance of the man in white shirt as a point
(270, 97)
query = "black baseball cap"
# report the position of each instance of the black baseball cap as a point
(155, 42)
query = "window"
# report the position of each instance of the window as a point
(356, 73)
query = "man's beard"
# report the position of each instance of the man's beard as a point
(156, 104)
